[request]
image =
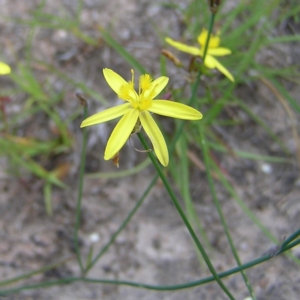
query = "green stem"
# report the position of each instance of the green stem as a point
(183, 217)
(80, 189)
(32, 273)
(291, 238)
(149, 286)
(210, 28)
(194, 87)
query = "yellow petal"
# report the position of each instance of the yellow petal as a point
(214, 40)
(158, 85)
(106, 115)
(174, 110)
(114, 80)
(4, 68)
(121, 133)
(156, 137)
(183, 47)
(212, 63)
(224, 71)
(219, 51)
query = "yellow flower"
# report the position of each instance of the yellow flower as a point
(212, 50)
(4, 68)
(138, 107)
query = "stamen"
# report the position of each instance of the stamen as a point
(145, 82)
(132, 78)
(124, 91)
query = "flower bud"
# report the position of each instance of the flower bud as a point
(169, 55)
(214, 5)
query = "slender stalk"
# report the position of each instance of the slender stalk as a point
(183, 217)
(210, 28)
(194, 86)
(149, 286)
(35, 272)
(291, 238)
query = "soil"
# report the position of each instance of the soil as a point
(155, 247)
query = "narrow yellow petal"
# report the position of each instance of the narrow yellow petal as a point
(158, 85)
(182, 47)
(106, 115)
(174, 110)
(224, 71)
(121, 133)
(212, 63)
(219, 51)
(114, 80)
(156, 137)
(4, 68)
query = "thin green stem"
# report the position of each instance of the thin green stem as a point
(288, 246)
(80, 189)
(35, 272)
(210, 28)
(205, 151)
(291, 238)
(194, 86)
(149, 286)
(183, 217)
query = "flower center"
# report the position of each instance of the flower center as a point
(142, 100)
(214, 40)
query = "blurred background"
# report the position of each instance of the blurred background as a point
(59, 48)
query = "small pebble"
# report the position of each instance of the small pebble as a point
(266, 168)
(94, 237)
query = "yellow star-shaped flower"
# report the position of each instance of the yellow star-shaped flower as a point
(138, 107)
(4, 69)
(212, 50)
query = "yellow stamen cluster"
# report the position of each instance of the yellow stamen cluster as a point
(214, 40)
(145, 82)
(142, 100)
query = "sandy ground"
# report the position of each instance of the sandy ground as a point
(155, 247)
